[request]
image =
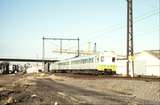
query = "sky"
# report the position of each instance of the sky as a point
(23, 23)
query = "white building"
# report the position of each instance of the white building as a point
(146, 63)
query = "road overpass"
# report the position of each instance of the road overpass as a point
(27, 60)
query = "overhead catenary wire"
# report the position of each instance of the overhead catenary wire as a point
(135, 22)
(120, 26)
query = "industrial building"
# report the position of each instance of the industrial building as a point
(146, 63)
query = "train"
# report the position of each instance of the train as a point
(101, 63)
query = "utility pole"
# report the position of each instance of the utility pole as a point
(130, 53)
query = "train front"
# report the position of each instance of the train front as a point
(106, 63)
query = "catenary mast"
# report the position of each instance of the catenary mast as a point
(130, 53)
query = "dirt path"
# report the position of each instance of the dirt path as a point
(39, 90)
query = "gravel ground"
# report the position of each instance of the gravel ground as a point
(48, 89)
(147, 90)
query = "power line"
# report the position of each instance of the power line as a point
(137, 19)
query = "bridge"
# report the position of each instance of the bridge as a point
(27, 60)
(5, 68)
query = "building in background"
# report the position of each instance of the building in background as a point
(147, 63)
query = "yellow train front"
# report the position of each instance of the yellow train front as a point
(106, 63)
(102, 63)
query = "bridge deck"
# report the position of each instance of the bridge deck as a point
(27, 60)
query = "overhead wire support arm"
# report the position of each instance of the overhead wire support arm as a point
(60, 39)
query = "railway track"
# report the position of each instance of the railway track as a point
(95, 77)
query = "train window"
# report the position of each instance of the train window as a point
(81, 61)
(92, 60)
(89, 60)
(113, 59)
(97, 59)
(102, 58)
(86, 60)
